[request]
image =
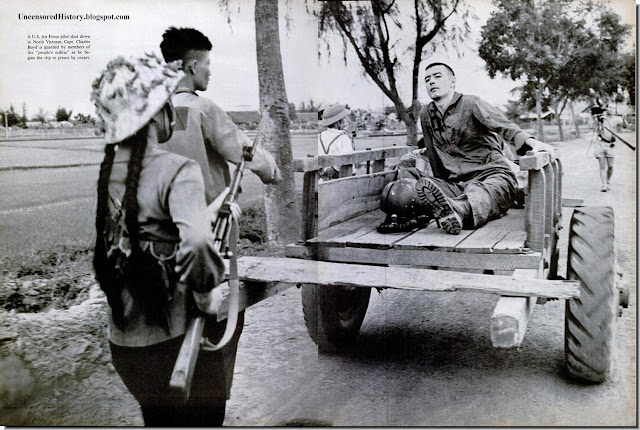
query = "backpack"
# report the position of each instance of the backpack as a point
(135, 281)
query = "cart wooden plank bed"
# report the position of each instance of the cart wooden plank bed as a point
(340, 257)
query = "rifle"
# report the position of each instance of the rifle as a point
(183, 370)
(623, 141)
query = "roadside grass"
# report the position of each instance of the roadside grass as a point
(52, 278)
(59, 276)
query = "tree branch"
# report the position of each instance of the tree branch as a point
(384, 47)
(438, 25)
(363, 60)
(389, 7)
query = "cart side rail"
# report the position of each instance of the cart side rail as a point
(543, 203)
(353, 193)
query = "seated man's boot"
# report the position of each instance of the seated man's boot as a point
(450, 212)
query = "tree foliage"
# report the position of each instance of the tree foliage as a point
(384, 34)
(84, 119)
(630, 76)
(514, 109)
(41, 116)
(311, 106)
(62, 114)
(561, 49)
(11, 118)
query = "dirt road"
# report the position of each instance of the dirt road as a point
(422, 359)
(426, 359)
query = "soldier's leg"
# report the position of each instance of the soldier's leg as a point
(490, 196)
(604, 168)
(609, 170)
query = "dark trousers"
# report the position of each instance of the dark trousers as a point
(146, 372)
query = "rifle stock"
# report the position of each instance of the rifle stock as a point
(184, 368)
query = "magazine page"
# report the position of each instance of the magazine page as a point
(318, 213)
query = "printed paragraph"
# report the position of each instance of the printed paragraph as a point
(49, 47)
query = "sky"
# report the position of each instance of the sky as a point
(234, 82)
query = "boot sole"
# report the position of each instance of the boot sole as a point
(430, 195)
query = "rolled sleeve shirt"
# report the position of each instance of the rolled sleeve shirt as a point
(462, 143)
(205, 133)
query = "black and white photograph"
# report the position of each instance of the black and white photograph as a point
(318, 213)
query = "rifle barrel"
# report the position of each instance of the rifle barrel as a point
(623, 141)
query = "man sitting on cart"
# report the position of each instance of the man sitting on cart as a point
(468, 180)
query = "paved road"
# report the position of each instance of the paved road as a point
(47, 189)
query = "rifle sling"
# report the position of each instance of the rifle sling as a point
(234, 293)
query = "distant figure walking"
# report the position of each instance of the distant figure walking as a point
(604, 145)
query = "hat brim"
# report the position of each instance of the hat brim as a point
(333, 119)
(129, 93)
(130, 121)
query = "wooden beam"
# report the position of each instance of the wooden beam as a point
(534, 161)
(416, 257)
(314, 163)
(309, 209)
(511, 315)
(536, 210)
(569, 202)
(295, 271)
(362, 156)
(250, 294)
(308, 164)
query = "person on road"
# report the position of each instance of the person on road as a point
(203, 131)
(468, 181)
(604, 146)
(334, 140)
(206, 134)
(154, 255)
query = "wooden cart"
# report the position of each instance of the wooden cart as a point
(340, 256)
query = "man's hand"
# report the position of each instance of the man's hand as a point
(211, 302)
(538, 146)
(215, 206)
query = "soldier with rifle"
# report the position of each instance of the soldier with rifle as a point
(155, 252)
(206, 134)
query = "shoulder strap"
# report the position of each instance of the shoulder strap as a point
(326, 150)
(434, 160)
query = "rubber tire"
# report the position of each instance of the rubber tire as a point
(590, 319)
(334, 314)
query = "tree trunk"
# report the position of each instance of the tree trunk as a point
(279, 200)
(408, 118)
(412, 133)
(539, 112)
(560, 132)
(575, 120)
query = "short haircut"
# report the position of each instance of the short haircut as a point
(177, 42)
(440, 64)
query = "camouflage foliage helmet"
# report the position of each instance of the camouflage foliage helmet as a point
(400, 198)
